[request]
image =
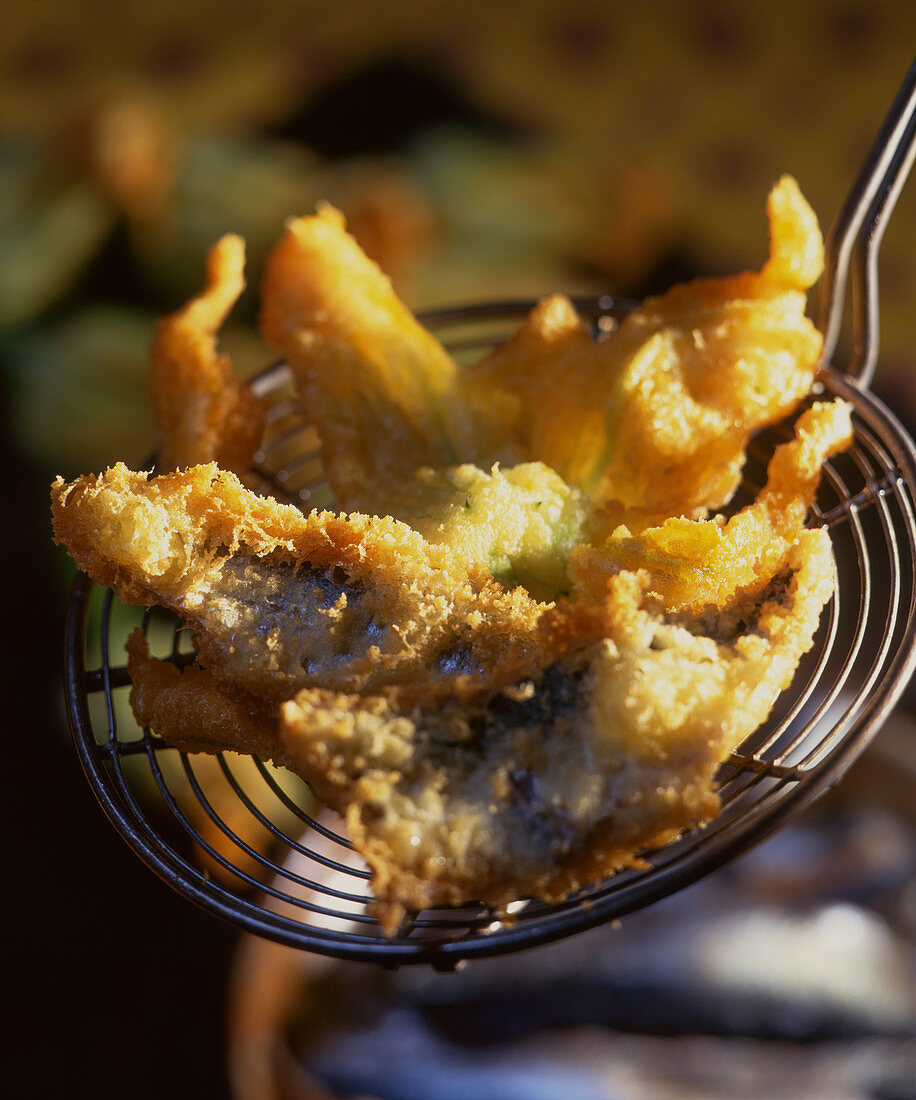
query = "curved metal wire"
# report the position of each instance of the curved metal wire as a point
(283, 870)
(855, 237)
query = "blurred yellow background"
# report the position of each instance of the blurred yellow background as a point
(479, 151)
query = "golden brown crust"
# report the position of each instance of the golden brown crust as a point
(653, 418)
(480, 741)
(529, 748)
(696, 566)
(280, 600)
(203, 411)
(664, 405)
(557, 780)
(375, 383)
(192, 711)
(588, 730)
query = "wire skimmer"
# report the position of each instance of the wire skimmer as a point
(250, 843)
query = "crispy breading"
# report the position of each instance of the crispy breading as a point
(193, 711)
(520, 522)
(697, 566)
(555, 781)
(657, 414)
(203, 411)
(279, 600)
(378, 385)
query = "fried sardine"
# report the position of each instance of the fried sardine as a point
(279, 600)
(558, 779)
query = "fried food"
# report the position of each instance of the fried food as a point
(520, 523)
(663, 407)
(203, 411)
(193, 710)
(528, 747)
(279, 600)
(378, 385)
(654, 417)
(532, 665)
(696, 566)
(557, 780)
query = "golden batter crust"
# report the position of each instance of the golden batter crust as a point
(480, 743)
(523, 674)
(203, 411)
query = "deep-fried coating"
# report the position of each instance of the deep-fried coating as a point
(547, 377)
(533, 665)
(193, 711)
(657, 414)
(696, 566)
(519, 523)
(203, 411)
(478, 742)
(378, 386)
(279, 600)
(557, 780)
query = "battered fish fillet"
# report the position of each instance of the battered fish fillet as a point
(562, 778)
(279, 600)
(202, 410)
(556, 780)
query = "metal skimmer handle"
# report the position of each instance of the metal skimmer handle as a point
(855, 237)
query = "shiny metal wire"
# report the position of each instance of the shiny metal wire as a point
(854, 240)
(299, 882)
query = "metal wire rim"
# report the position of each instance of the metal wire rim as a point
(300, 883)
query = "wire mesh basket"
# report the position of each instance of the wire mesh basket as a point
(250, 843)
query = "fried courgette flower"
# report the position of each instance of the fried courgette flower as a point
(700, 566)
(377, 384)
(203, 411)
(655, 416)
